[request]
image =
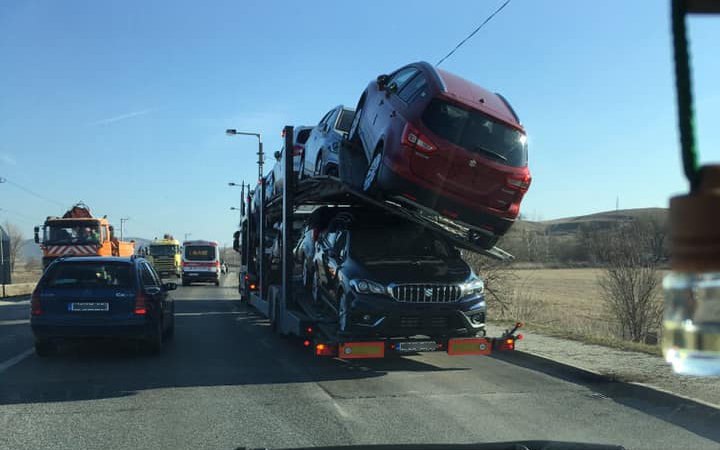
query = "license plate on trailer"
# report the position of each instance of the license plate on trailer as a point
(419, 346)
(89, 307)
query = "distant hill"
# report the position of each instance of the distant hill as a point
(601, 220)
(560, 241)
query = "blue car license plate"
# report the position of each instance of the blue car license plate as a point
(89, 307)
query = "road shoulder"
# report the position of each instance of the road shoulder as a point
(641, 369)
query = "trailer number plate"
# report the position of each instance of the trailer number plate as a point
(420, 346)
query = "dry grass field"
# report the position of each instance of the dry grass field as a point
(564, 302)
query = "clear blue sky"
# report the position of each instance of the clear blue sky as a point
(124, 104)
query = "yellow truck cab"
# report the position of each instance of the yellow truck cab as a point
(166, 256)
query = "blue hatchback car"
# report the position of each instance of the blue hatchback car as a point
(101, 297)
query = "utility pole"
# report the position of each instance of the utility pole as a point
(617, 202)
(122, 224)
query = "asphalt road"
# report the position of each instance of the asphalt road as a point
(227, 381)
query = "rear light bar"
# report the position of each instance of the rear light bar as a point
(141, 304)
(35, 306)
(412, 138)
(326, 349)
(519, 182)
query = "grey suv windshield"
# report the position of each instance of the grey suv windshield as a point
(476, 132)
(397, 242)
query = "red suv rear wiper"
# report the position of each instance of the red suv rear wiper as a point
(490, 152)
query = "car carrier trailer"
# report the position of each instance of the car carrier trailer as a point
(273, 289)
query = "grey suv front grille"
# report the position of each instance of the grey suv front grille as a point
(426, 293)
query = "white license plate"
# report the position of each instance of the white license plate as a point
(420, 346)
(89, 307)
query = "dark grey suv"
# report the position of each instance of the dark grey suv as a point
(323, 145)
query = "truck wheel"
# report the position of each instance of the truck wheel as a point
(45, 348)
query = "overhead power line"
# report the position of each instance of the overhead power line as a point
(33, 193)
(473, 33)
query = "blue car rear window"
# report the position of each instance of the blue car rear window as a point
(88, 275)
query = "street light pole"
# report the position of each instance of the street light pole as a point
(261, 155)
(122, 224)
(186, 236)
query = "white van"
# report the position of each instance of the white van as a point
(200, 262)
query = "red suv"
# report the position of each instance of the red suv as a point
(444, 144)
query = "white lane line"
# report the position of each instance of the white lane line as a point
(14, 322)
(5, 365)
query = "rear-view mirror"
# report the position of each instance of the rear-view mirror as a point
(152, 290)
(37, 235)
(278, 155)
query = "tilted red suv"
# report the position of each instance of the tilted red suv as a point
(445, 144)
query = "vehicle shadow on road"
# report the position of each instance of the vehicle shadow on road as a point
(690, 415)
(216, 343)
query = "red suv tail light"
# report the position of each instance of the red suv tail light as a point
(412, 138)
(519, 182)
(298, 149)
(35, 306)
(141, 304)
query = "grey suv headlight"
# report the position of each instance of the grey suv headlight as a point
(474, 287)
(367, 287)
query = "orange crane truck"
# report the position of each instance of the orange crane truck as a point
(78, 233)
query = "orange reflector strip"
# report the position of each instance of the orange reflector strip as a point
(362, 350)
(479, 346)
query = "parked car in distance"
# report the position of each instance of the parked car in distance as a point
(274, 180)
(444, 144)
(97, 297)
(386, 277)
(323, 145)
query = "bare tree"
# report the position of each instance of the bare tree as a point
(630, 279)
(16, 241)
(498, 279)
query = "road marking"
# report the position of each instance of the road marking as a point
(15, 359)
(14, 322)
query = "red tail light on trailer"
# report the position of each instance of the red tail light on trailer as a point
(35, 306)
(298, 149)
(325, 350)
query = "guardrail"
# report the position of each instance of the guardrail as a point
(17, 289)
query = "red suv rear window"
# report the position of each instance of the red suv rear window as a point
(476, 132)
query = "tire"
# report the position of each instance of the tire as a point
(342, 319)
(272, 313)
(154, 343)
(301, 170)
(318, 164)
(45, 348)
(370, 183)
(316, 287)
(353, 135)
(305, 274)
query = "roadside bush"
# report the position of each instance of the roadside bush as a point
(630, 280)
